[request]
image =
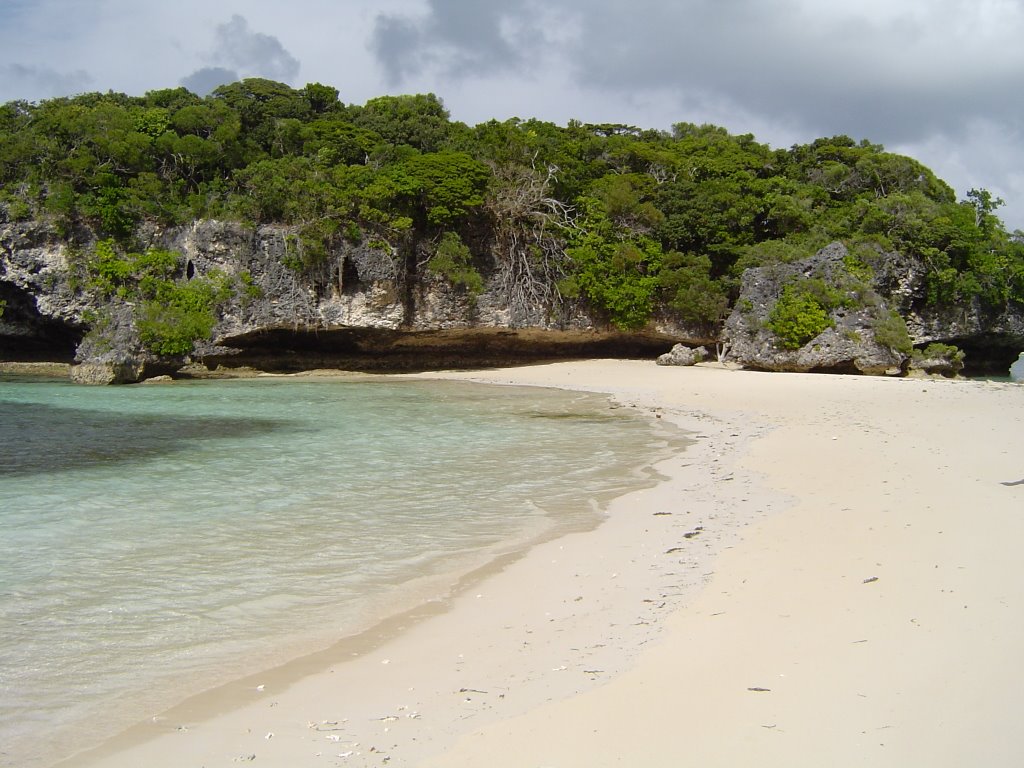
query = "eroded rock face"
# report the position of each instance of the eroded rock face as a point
(383, 296)
(42, 313)
(35, 260)
(112, 353)
(965, 322)
(849, 345)
(99, 373)
(944, 361)
(359, 286)
(283, 309)
(847, 348)
(857, 340)
(680, 354)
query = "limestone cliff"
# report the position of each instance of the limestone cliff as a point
(860, 313)
(366, 306)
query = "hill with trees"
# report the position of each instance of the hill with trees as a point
(526, 224)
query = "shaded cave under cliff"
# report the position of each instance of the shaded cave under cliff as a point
(988, 354)
(379, 350)
(27, 336)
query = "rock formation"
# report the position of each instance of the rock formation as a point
(872, 313)
(847, 343)
(362, 308)
(680, 354)
(368, 307)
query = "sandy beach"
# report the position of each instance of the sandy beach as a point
(829, 574)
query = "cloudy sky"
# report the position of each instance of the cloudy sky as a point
(940, 80)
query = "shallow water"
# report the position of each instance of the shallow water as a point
(157, 540)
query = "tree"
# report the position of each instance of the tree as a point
(629, 221)
(436, 189)
(260, 104)
(691, 291)
(985, 207)
(614, 270)
(321, 98)
(453, 261)
(797, 317)
(419, 121)
(527, 223)
(333, 140)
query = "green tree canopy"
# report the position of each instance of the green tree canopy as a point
(626, 221)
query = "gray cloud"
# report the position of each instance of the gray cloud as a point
(893, 70)
(910, 74)
(240, 52)
(919, 76)
(826, 71)
(42, 82)
(456, 37)
(204, 80)
(253, 52)
(397, 43)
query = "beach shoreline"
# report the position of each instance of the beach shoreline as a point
(401, 572)
(809, 517)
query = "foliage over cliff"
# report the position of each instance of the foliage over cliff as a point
(629, 222)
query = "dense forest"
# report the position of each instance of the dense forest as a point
(629, 222)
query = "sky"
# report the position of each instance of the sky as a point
(939, 80)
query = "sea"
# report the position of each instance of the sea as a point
(160, 540)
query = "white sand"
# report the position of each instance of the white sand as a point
(851, 592)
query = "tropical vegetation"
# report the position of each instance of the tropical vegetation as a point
(629, 221)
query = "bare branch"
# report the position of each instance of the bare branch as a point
(528, 247)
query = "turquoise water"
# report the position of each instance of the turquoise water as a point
(158, 540)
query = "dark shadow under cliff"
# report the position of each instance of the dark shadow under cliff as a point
(377, 350)
(988, 354)
(27, 336)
